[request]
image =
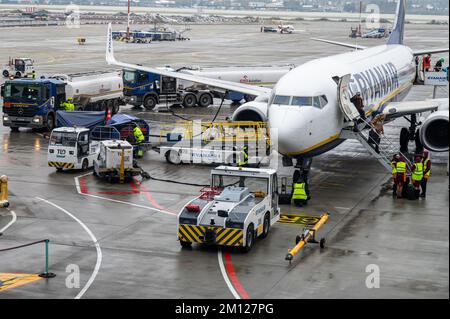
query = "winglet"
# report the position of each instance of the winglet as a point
(399, 24)
(109, 47)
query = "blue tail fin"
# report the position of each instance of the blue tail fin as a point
(399, 24)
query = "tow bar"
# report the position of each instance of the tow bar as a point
(308, 236)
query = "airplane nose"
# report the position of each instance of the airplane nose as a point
(287, 129)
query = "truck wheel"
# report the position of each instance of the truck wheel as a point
(248, 98)
(116, 107)
(205, 100)
(190, 100)
(150, 102)
(185, 244)
(59, 169)
(85, 164)
(50, 125)
(249, 238)
(266, 227)
(18, 75)
(173, 157)
(14, 129)
(5, 73)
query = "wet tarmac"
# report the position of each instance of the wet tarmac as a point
(123, 238)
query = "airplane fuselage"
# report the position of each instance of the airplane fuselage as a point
(303, 110)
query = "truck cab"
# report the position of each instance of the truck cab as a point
(71, 148)
(31, 103)
(18, 68)
(150, 89)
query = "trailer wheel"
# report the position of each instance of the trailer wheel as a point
(190, 100)
(185, 244)
(150, 102)
(50, 123)
(5, 73)
(249, 238)
(173, 157)
(205, 100)
(266, 227)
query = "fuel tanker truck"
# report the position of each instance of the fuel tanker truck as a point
(33, 102)
(149, 89)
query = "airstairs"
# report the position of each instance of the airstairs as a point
(383, 149)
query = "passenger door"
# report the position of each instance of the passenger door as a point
(347, 107)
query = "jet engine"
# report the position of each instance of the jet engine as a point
(434, 132)
(255, 111)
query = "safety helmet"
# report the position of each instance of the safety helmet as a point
(442, 60)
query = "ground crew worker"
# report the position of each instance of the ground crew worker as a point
(244, 157)
(139, 138)
(394, 161)
(417, 174)
(401, 175)
(426, 63)
(426, 173)
(68, 105)
(33, 74)
(300, 195)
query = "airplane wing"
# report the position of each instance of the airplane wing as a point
(219, 84)
(342, 44)
(398, 109)
(429, 51)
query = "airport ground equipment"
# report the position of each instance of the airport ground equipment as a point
(240, 205)
(18, 68)
(115, 161)
(34, 102)
(4, 203)
(214, 142)
(81, 41)
(307, 236)
(77, 147)
(149, 89)
(269, 30)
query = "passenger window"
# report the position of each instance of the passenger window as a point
(282, 100)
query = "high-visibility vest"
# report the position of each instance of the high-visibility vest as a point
(401, 167)
(394, 167)
(300, 192)
(425, 165)
(69, 107)
(244, 158)
(417, 175)
(138, 135)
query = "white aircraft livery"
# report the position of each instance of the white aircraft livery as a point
(310, 107)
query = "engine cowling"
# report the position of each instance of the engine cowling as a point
(255, 111)
(434, 132)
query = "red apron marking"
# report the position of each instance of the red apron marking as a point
(233, 277)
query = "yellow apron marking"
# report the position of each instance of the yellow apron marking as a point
(298, 219)
(12, 280)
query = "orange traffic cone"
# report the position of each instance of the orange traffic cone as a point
(108, 114)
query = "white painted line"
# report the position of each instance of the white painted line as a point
(225, 275)
(13, 220)
(97, 247)
(77, 184)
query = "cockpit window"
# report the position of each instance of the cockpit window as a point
(282, 100)
(302, 101)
